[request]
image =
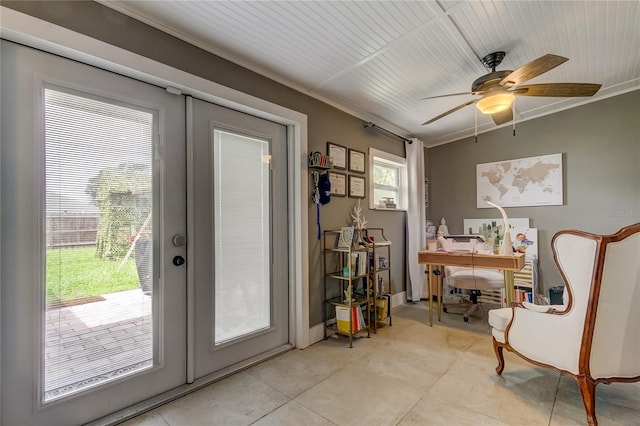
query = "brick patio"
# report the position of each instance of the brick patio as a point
(94, 342)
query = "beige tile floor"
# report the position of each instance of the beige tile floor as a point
(407, 374)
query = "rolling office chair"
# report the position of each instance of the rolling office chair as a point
(475, 280)
(490, 282)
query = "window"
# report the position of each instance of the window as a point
(388, 181)
(99, 241)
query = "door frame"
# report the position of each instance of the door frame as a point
(34, 32)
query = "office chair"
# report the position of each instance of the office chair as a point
(475, 281)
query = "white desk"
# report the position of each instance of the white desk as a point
(439, 259)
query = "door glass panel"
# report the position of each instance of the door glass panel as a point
(242, 234)
(99, 246)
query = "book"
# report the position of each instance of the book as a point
(344, 316)
(361, 323)
(382, 308)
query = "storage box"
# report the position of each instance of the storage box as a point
(382, 307)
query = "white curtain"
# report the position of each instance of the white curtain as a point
(416, 218)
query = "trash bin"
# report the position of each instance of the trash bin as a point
(555, 295)
(144, 263)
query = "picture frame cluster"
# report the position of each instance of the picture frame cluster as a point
(351, 161)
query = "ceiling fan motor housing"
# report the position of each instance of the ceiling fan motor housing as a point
(488, 81)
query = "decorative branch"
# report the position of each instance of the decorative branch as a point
(359, 221)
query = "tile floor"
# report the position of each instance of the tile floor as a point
(407, 374)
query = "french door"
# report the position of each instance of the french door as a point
(93, 286)
(239, 264)
(144, 240)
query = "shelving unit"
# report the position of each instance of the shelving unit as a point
(340, 275)
(318, 160)
(524, 287)
(379, 275)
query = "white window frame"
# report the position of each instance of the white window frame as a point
(384, 158)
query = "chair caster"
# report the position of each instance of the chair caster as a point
(466, 319)
(444, 309)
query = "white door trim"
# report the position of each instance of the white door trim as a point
(34, 32)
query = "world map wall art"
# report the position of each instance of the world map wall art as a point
(533, 181)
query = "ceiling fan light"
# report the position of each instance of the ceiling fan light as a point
(495, 103)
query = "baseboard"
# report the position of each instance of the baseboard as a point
(316, 333)
(398, 299)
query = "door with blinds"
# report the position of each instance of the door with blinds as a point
(239, 266)
(93, 225)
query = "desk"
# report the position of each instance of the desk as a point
(439, 259)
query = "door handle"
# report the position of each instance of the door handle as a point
(179, 240)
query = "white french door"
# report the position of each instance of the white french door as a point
(97, 311)
(93, 283)
(240, 237)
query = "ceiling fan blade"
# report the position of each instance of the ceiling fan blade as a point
(446, 96)
(559, 90)
(444, 114)
(502, 116)
(533, 69)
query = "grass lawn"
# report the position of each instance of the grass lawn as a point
(73, 273)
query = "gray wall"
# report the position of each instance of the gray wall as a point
(325, 123)
(600, 143)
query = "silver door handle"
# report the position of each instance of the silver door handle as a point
(179, 240)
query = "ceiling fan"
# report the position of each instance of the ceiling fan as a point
(498, 89)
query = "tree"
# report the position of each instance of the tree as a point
(123, 197)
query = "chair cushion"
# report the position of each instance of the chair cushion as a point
(500, 318)
(474, 278)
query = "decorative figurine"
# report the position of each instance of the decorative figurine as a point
(443, 229)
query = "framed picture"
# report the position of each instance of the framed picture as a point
(356, 186)
(338, 184)
(338, 155)
(532, 181)
(356, 161)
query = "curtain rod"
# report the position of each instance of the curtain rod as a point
(373, 125)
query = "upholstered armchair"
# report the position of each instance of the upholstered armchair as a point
(595, 336)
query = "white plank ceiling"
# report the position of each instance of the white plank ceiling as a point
(377, 59)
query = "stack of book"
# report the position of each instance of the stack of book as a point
(359, 263)
(520, 295)
(344, 314)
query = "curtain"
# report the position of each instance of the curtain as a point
(416, 218)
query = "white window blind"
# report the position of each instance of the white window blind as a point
(242, 235)
(98, 160)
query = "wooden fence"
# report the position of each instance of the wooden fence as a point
(73, 230)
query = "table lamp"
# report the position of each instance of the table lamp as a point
(507, 247)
